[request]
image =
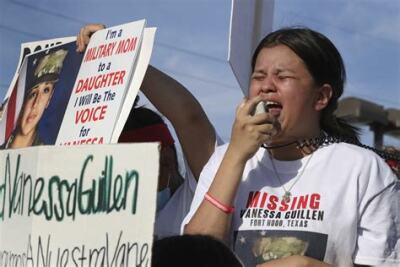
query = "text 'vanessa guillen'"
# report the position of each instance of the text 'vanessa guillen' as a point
(67, 197)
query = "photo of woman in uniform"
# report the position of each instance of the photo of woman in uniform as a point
(39, 91)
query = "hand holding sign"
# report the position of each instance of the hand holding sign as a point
(84, 35)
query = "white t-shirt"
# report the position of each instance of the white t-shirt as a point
(344, 207)
(169, 219)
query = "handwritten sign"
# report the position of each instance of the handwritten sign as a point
(78, 206)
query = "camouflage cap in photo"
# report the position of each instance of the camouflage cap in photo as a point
(49, 68)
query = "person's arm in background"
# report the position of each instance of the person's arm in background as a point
(195, 132)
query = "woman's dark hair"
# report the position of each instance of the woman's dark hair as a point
(140, 117)
(325, 65)
(194, 251)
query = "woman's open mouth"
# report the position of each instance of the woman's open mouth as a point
(274, 108)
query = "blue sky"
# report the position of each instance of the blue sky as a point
(192, 42)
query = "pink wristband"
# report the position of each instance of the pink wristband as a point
(219, 205)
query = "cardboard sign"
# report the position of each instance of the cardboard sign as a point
(62, 97)
(251, 20)
(14, 96)
(100, 87)
(78, 206)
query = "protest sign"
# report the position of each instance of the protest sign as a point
(78, 206)
(85, 107)
(140, 70)
(99, 89)
(14, 96)
(251, 20)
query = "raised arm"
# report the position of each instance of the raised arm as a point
(174, 101)
(177, 104)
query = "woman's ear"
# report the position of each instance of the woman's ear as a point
(323, 96)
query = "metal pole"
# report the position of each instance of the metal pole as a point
(379, 131)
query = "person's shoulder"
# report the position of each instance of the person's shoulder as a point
(356, 152)
(368, 161)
